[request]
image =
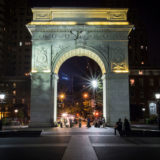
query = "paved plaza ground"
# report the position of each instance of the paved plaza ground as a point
(79, 144)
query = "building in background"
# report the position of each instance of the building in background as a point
(144, 83)
(18, 54)
(15, 57)
(2, 35)
(17, 97)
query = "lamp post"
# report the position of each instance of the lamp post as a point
(157, 96)
(85, 95)
(2, 97)
(94, 84)
(62, 97)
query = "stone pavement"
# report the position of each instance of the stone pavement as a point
(79, 144)
(80, 148)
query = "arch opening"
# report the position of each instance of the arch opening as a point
(80, 52)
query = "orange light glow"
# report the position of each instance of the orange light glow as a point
(85, 95)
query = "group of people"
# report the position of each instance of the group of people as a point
(98, 122)
(69, 122)
(124, 129)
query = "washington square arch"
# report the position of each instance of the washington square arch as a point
(61, 33)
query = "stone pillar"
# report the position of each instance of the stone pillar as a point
(105, 106)
(40, 100)
(55, 82)
(118, 96)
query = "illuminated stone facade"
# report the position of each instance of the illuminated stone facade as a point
(61, 33)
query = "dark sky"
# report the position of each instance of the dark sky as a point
(148, 12)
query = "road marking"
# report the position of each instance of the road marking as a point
(33, 145)
(124, 145)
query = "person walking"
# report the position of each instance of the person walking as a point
(70, 122)
(127, 128)
(103, 122)
(88, 122)
(118, 127)
(80, 122)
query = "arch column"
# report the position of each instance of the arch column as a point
(105, 105)
(55, 82)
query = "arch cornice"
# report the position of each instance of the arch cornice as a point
(79, 51)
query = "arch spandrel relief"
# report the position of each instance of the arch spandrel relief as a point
(118, 60)
(41, 59)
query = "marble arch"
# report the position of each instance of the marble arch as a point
(53, 31)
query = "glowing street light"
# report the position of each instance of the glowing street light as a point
(94, 83)
(62, 96)
(64, 114)
(157, 96)
(2, 97)
(16, 111)
(85, 95)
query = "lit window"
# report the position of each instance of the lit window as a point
(27, 74)
(132, 82)
(14, 101)
(151, 82)
(14, 92)
(23, 100)
(140, 72)
(27, 43)
(14, 85)
(20, 43)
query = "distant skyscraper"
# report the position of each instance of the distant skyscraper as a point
(2, 34)
(18, 56)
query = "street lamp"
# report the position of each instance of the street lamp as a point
(94, 83)
(2, 97)
(85, 95)
(62, 97)
(157, 96)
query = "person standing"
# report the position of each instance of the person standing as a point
(70, 122)
(88, 122)
(118, 127)
(80, 122)
(103, 122)
(127, 128)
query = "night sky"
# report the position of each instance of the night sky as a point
(147, 12)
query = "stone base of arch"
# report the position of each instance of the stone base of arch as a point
(44, 104)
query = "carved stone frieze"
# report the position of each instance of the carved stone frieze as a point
(76, 35)
(41, 58)
(41, 15)
(56, 50)
(117, 15)
(117, 58)
(118, 66)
